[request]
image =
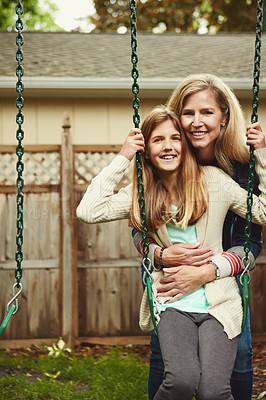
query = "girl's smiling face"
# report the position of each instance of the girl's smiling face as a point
(202, 119)
(164, 148)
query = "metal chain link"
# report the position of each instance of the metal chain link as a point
(146, 262)
(20, 137)
(136, 121)
(254, 118)
(134, 60)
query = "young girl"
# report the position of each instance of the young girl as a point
(198, 336)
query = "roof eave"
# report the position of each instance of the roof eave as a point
(121, 86)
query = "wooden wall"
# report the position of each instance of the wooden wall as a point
(93, 121)
(257, 301)
(38, 314)
(107, 266)
(110, 287)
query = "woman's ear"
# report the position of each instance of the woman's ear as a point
(224, 121)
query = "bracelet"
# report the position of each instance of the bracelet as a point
(217, 269)
(161, 257)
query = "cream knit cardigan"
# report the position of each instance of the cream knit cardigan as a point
(100, 204)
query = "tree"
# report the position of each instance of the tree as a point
(169, 14)
(234, 15)
(34, 16)
(180, 16)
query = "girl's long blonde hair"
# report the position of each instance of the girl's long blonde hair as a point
(230, 144)
(192, 195)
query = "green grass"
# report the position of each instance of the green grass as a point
(112, 377)
(31, 376)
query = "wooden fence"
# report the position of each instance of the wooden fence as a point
(79, 281)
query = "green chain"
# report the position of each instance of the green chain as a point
(254, 118)
(245, 279)
(136, 121)
(19, 136)
(134, 60)
(146, 263)
(12, 305)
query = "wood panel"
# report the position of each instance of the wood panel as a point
(41, 223)
(68, 247)
(109, 299)
(105, 241)
(3, 227)
(38, 314)
(257, 301)
(10, 227)
(30, 148)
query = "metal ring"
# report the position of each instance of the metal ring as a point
(147, 270)
(242, 277)
(15, 297)
(246, 263)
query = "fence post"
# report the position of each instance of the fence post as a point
(68, 252)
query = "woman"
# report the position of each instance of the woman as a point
(185, 205)
(194, 100)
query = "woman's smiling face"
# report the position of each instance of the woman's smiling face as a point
(201, 119)
(164, 148)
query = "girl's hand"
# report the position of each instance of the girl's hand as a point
(133, 143)
(255, 136)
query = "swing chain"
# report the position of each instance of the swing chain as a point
(254, 118)
(134, 60)
(12, 305)
(136, 120)
(20, 137)
(257, 58)
(146, 262)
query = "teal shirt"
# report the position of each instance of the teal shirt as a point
(195, 302)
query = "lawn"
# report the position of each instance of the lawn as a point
(32, 375)
(89, 373)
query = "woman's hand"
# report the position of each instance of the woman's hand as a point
(187, 267)
(185, 279)
(255, 136)
(133, 143)
(184, 254)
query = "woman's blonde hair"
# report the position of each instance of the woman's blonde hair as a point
(191, 194)
(230, 144)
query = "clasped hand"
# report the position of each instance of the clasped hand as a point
(187, 268)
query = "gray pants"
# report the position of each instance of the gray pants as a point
(198, 357)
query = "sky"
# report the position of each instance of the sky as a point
(69, 11)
